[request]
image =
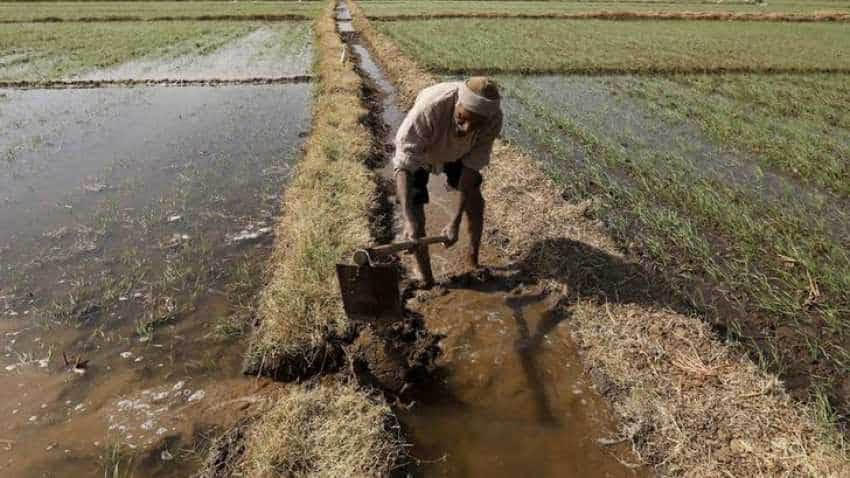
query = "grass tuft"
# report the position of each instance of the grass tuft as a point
(323, 431)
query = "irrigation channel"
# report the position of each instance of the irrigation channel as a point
(511, 398)
(135, 225)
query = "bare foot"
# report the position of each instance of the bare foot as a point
(471, 262)
(422, 284)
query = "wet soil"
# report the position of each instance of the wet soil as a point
(136, 224)
(510, 396)
(268, 52)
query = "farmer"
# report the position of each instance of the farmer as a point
(450, 129)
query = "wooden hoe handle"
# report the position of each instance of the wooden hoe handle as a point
(362, 256)
(386, 249)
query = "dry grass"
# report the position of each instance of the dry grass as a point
(332, 431)
(689, 407)
(325, 216)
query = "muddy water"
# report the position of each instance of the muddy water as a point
(135, 224)
(512, 399)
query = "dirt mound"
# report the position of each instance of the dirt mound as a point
(225, 453)
(326, 356)
(391, 359)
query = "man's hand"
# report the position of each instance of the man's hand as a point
(450, 232)
(408, 233)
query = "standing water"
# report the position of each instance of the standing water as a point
(135, 223)
(512, 399)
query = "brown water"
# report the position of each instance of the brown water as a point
(134, 225)
(512, 399)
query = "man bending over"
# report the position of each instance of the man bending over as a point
(450, 129)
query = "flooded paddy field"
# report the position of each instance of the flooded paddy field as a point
(377, 9)
(546, 45)
(694, 179)
(104, 10)
(136, 225)
(271, 51)
(144, 50)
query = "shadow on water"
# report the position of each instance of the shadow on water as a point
(528, 346)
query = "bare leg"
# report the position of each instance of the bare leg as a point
(423, 257)
(474, 211)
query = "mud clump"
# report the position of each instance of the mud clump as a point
(225, 453)
(388, 358)
(395, 357)
(325, 358)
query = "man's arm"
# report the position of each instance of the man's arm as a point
(412, 139)
(404, 193)
(470, 202)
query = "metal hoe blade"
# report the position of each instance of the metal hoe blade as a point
(370, 292)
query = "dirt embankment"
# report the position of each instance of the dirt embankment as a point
(685, 403)
(826, 16)
(335, 423)
(84, 84)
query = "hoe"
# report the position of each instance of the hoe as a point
(370, 290)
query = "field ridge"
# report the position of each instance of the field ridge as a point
(328, 426)
(285, 17)
(627, 16)
(84, 84)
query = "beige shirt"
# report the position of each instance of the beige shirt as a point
(427, 138)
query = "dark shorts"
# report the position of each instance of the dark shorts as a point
(420, 180)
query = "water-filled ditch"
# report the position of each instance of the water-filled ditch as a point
(511, 397)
